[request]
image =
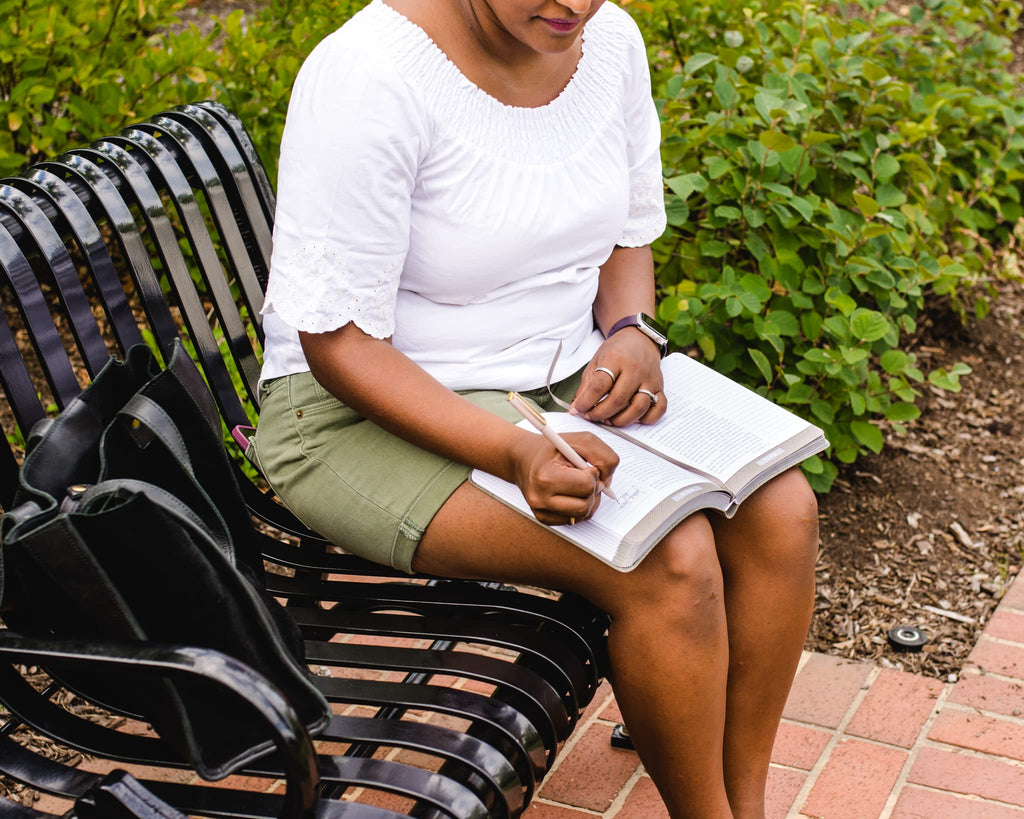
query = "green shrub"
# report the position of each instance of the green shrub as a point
(74, 71)
(827, 171)
(828, 167)
(259, 57)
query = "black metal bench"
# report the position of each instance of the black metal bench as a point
(163, 231)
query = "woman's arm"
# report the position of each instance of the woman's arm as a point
(626, 287)
(385, 386)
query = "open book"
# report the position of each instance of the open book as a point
(717, 443)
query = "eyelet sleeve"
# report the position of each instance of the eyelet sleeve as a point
(646, 220)
(350, 150)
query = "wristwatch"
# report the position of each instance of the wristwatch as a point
(650, 327)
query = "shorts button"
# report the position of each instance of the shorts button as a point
(298, 413)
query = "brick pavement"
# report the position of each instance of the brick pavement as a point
(856, 742)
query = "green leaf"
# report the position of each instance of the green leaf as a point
(868, 435)
(814, 465)
(707, 347)
(766, 104)
(697, 62)
(757, 287)
(726, 92)
(785, 321)
(886, 167)
(761, 362)
(868, 325)
(812, 138)
(714, 248)
(894, 361)
(719, 167)
(867, 205)
(687, 184)
(802, 206)
(810, 322)
(840, 300)
(823, 411)
(901, 411)
(676, 211)
(889, 196)
(750, 301)
(776, 141)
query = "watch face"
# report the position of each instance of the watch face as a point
(653, 328)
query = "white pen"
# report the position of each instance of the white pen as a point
(542, 425)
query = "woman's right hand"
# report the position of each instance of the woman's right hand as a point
(556, 491)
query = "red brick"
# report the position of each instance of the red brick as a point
(972, 775)
(56, 805)
(239, 782)
(598, 701)
(592, 774)
(478, 687)
(990, 693)
(643, 802)
(917, 803)
(1014, 596)
(105, 766)
(856, 781)
(538, 810)
(611, 711)
(825, 689)
(1006, 624)
(980, 733)
(782, 790)
(895, 708)
(998, 658)
(383, 799)
(798, 746)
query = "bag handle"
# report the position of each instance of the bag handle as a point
(143, 412)
(117, 487)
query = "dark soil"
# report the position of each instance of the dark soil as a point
(936, 519)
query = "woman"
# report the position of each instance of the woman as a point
(464, 184)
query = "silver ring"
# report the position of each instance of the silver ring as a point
(649, 394)
(607, 372)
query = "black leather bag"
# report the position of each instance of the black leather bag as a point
(129, 525)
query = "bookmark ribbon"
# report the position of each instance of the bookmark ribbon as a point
(551, 371)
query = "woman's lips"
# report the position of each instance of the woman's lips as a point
(561, 26)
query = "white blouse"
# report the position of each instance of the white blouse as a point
(415, 205)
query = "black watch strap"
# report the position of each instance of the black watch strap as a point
(646, 325)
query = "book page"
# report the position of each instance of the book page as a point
(716, 426)
(642, 482)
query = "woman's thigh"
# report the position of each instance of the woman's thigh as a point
(358, 485)
(475, 536)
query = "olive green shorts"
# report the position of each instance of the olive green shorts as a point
(361, 487)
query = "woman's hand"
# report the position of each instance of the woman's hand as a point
(619, 381)
(558, 492)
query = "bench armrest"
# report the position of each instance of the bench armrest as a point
(294, 746)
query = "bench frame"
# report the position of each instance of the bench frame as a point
(164, 230)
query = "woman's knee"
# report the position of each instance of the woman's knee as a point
(778, 523)
(682, 576)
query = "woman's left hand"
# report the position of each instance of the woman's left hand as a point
(620, 380)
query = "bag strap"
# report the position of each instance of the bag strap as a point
(143, 411)
(95, 496)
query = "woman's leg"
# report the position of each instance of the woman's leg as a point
(767, 553)
(668, 640)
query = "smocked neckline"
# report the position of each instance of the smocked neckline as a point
(570, 89)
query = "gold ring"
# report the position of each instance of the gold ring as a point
(572, 521)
